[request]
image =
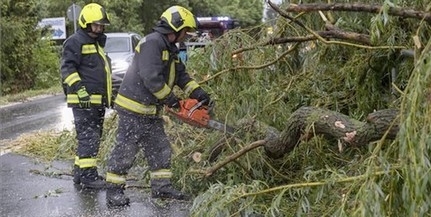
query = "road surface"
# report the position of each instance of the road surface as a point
(43, 113)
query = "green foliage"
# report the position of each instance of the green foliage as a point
(48, 65)
(249, 13)
(125, 16)
(27, 61)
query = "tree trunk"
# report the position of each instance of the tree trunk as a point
(308, 121)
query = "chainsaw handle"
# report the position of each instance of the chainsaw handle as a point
(211, 105)
(192, 109)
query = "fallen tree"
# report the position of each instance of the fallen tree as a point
(307, 122)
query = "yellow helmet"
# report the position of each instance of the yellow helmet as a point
(178, 17)
(93, 13)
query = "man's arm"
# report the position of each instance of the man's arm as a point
(70, 60)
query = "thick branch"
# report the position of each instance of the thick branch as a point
(308, 121)
(357, 7)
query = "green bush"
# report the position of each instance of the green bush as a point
(48, 65)
(27, 61)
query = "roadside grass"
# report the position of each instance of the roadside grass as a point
(51, 145)
(26, 95)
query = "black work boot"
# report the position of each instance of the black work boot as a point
(162, 188)
(91, 179)
(115, 195)
(76, 174)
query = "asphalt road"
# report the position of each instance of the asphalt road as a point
(33, 189)
(43, 113)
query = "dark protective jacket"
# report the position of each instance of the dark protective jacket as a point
(149, 80)
(84, 63)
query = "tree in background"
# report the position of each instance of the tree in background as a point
(141, 15)
(21, 47)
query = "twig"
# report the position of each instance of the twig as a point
(249, 67)
(333, 33)
(314, 184)
(234, 156)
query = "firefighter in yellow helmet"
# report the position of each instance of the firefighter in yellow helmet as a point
(85, 69)
(146, 88)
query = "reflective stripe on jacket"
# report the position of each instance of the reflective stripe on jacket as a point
(154, 71)
(84, 63)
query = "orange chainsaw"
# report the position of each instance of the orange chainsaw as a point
(193, 112)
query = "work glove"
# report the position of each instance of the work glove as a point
(172, 101)
(83, 97)
(201, 96)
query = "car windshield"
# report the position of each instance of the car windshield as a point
(117, 44)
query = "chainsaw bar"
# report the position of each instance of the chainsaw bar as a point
(221, 127)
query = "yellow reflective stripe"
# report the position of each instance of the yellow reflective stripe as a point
(165, 55)
(88, 49)
(172, 73)
(94, 99)
(190, 87)
(161, 94)
(76, 160)
(72, 78)
(161, 174)
(108, 74)
(114, 178)
(135, 106)
(87, 162)
(138, 47)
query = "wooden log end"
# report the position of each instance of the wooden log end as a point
(197, 157)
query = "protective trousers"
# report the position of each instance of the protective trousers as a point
(137, 132)
(89, 127)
